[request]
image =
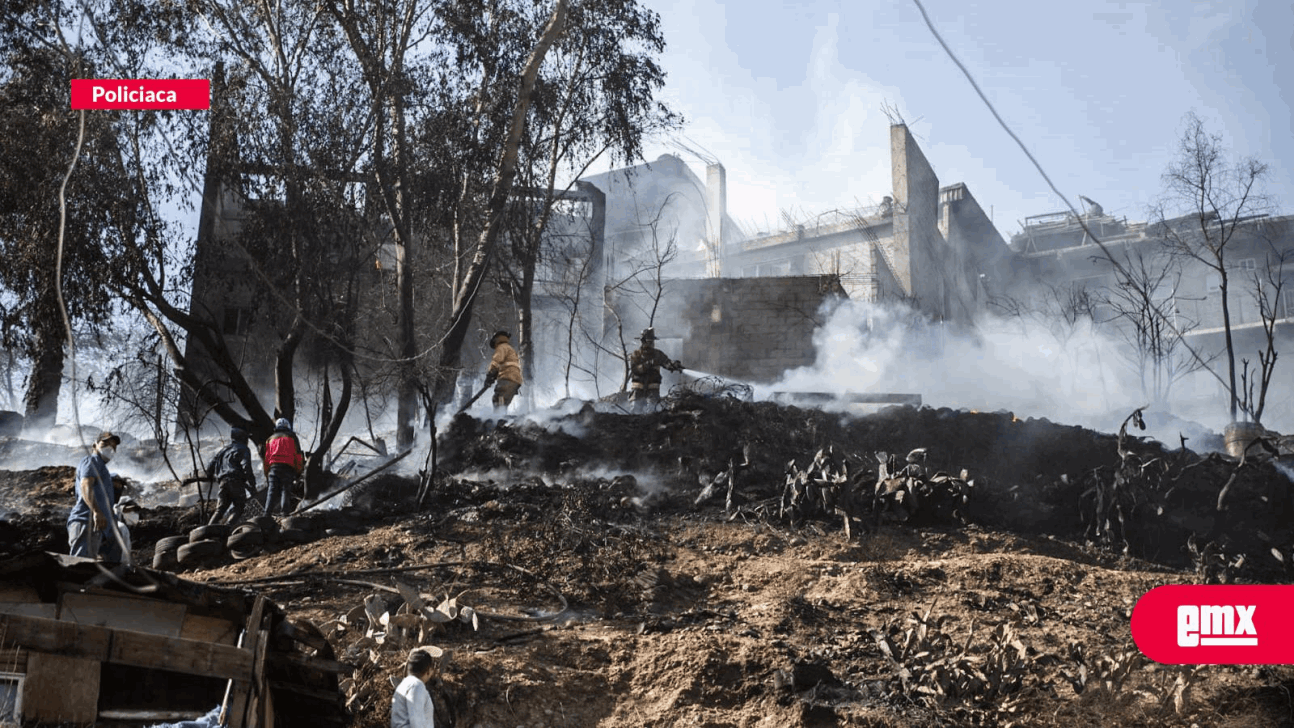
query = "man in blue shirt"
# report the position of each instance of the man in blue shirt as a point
(91, 517)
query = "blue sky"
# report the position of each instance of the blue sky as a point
(789, 96)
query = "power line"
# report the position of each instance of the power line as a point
(989, 104)
(1109, 256)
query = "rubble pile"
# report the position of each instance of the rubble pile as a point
(1215, 513)
(992, 469)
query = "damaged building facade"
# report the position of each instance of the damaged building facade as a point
(745, 305)
(654, 244)
(1058, 255)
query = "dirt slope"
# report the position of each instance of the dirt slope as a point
(734, 624)
(609, 593)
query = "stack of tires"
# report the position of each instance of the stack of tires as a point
(245, 541)
(205, 544)
(165, 553)
(200, 547)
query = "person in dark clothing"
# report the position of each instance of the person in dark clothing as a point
(232, 469)
(283, 462)
(645, 364)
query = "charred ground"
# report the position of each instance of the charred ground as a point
(655, 570)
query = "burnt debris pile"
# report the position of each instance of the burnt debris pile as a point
(903, 464)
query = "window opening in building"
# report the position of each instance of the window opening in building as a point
(265, 187)
(773, 268)
(10, 698)
(1248, 264)
(238, 321)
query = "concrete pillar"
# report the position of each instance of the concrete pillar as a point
(716, 208)
(916, 220)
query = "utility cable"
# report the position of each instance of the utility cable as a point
(58, 277)
(1109, 256)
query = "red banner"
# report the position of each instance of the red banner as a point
(140, 94)
(1215, 624)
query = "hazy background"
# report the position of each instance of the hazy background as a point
(788, 96)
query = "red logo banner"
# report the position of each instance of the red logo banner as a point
(1215, 624)
(140, 94)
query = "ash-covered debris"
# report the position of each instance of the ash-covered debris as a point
(774, 462)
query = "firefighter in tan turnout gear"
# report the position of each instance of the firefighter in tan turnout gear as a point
(645, 364)
(505, 368)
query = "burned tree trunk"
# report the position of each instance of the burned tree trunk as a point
(465, 296)
(41, 401)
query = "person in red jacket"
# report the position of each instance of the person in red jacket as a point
(283, 462)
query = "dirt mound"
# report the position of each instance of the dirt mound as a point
(33, 508)
(608, 570)
(1030, 476)
(44, 489)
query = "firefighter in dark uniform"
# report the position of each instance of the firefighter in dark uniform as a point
(645, 364)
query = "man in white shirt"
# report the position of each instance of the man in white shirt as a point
(411, 706)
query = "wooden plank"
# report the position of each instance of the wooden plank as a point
(267, 711)
(263, 705)
(126, 648)
(30, 609)
(150, 716)
(52, 636)
(235, 712)
(13, 659)
(61, 689)
(311, 663)
(179, 655)
(209, 629)
(150, 616)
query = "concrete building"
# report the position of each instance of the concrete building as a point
(748, 329)
(930, 245)
(655, 243)
(1056, 251)
(745, 305)
(654, 206)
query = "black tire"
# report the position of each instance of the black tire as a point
(301, 523)
(214, 532)
(169, 544)
(243, 554)
(165, 561)
(243, 540)
(267, 524)
(294, 535)
(198, 551)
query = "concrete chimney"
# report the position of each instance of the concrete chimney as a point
(716, 208)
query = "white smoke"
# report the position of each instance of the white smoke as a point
(1032, 368)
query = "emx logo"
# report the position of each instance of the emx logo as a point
(1215, 625)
